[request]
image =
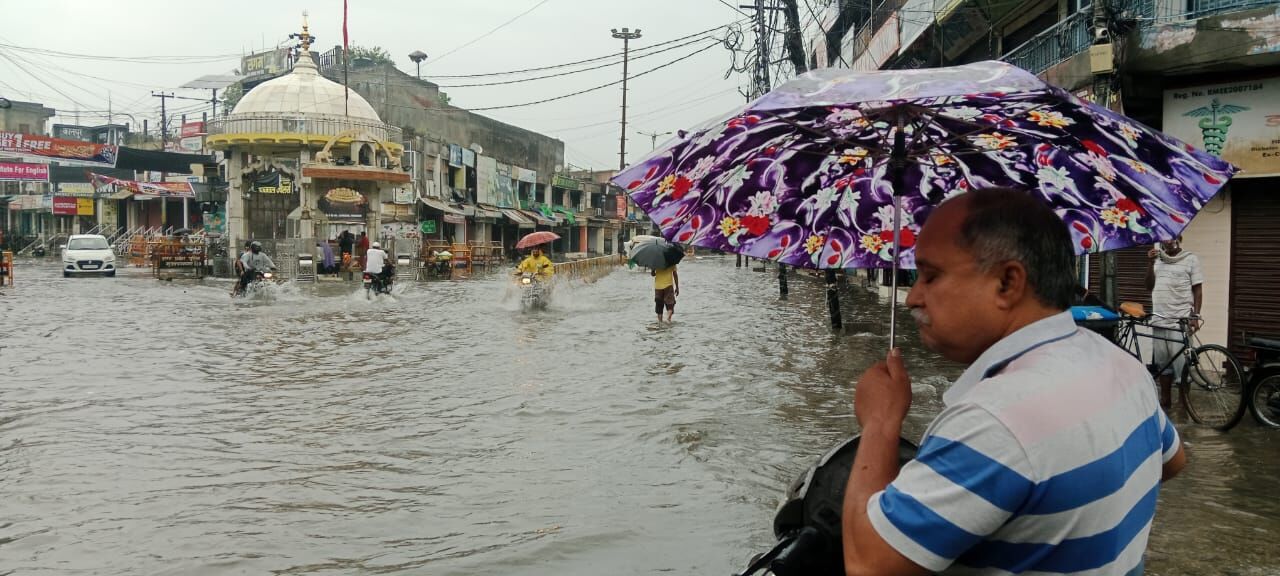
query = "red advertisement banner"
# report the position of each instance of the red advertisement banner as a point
(165, 189)
(65, 205)
(24, 171)
(34, 145)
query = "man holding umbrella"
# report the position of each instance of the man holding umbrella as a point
(538, 264)
(661, 257)
(666, 286)
(1051, 449)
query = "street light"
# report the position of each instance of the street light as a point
(418, 56)
(653, 136)
(626, 36)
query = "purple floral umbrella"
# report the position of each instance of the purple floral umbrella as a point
(838, 169)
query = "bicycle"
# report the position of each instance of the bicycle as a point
(1211, 382)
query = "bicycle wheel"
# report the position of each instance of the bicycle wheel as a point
(1265, 401)
(1213, 387)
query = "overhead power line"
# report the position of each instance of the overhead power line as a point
(490, 32)
(600, 87)
(557, 75)
(134, 59)
(586, 61)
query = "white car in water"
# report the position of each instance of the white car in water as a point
(88, 254)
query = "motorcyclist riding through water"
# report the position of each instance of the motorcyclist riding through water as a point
(254, 262)
(538, 264)
(377, 262)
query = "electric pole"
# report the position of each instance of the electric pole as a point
(653, 137)
(164, 119)
(626, 36)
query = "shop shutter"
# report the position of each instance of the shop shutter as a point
(1255, 260)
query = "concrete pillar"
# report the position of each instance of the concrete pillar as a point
(237, 226)
(308, 198)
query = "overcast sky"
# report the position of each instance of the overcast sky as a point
(555, 32)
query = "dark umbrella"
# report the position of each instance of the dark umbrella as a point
(657, 254)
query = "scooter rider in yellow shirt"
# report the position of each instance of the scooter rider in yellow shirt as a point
(538, 264)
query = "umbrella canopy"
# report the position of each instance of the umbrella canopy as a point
(536, 238)
(656, 254)
(810, 174)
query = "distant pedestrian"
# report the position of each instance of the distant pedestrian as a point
(362, 248)
(345, 243)
(666, 286)
(328, 264)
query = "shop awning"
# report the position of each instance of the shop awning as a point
(121, 195)
(538, 217)
(441, 206)
(520, 220)
(487, 212)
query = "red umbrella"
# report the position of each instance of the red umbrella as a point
(536, 238)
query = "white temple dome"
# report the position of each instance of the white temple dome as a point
(304, 91)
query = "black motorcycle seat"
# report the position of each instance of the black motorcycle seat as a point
(1267, 343)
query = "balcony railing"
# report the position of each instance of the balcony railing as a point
(1060, 42)
(1072, 36)
(310, 125)
(1175, 10)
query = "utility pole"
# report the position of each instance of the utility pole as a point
(653, 137)
(164, 118)
(626, 36)
(760, 86)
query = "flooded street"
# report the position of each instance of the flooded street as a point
(154, 427)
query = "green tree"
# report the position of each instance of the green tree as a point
(376, 54)
(230, 96)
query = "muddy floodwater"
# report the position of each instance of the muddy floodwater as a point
(152, 427)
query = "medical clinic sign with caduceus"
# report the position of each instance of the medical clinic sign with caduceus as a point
(1239, 121)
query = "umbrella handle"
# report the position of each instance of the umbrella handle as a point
(898, 166)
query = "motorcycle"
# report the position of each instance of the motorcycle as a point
(442, 265)
(807, 524)
(533, 291)
(1262, 392)
(260, 280)
(375, 284)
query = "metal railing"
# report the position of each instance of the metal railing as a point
(311, 125)
(1176, 10)
(1072, 35)
(1060, 42)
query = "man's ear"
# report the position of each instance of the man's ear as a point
(1013, 286)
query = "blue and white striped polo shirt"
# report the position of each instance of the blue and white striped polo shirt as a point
(1046, 460)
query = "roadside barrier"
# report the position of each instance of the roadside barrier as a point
(591, 269)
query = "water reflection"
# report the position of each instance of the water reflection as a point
(150, 427)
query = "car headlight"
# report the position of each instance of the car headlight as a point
(526, 281)
(111, 258)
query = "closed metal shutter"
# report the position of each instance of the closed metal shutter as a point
(1255, 260)
(1130, 275)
